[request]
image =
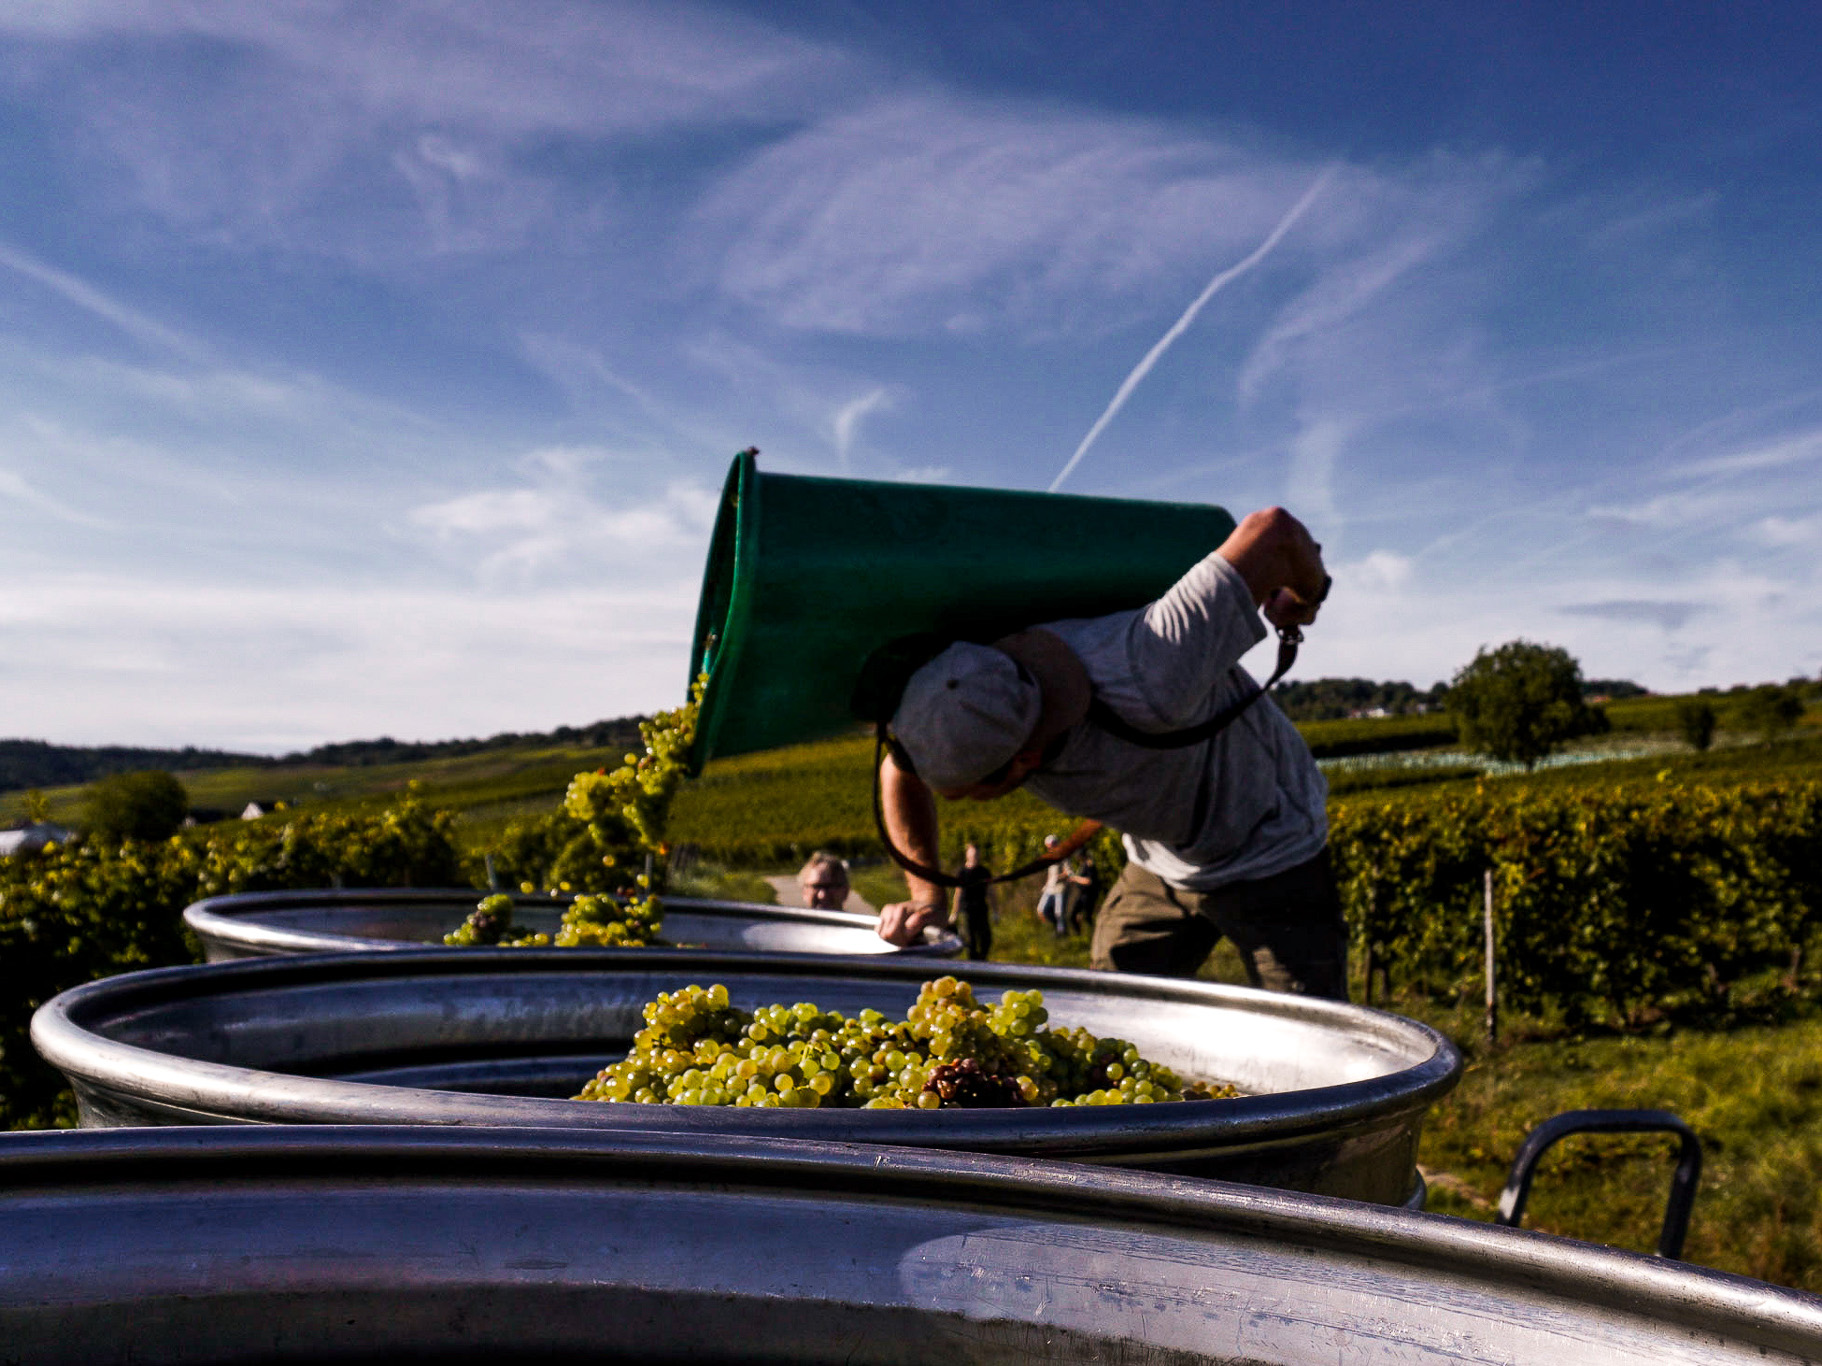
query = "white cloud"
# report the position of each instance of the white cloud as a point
(95, 659)
(559, 520)
(1382, 571)
(1796, 449)
(1790, 531)
(930, 213)
(851, 414)
(1314, 453)
(430, 118)
(16, 488)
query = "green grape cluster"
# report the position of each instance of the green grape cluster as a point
(948, 1052)
(589, 922)
(631, 805)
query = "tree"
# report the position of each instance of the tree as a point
(1521, 701)
(1770, 710)
(148, 805)
(1696, 718)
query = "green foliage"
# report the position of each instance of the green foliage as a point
(37, 806)
(1331, 699)
(1376, 735)
(94, 907)
(1754, 1094)
(1769, 711)
(1521, 701)
(147, 805)
(1342, 782)
(1612, 907)
(1696, 719)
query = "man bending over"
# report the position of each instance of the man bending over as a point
(1224, 837)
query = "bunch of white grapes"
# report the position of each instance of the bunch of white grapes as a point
(949, 1051)
(596, 922)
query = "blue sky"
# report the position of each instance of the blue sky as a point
(373, 368)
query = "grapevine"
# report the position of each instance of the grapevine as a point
(949, 1052)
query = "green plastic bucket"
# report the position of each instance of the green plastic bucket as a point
(807, 578)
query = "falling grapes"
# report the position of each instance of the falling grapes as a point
(621, 810)
(949, 1051)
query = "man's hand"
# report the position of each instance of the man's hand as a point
(1281, 563)
(903, 922)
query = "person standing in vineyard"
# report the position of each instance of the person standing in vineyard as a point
(1225, 835)
(973, 914)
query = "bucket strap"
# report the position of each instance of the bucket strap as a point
(1104, 717)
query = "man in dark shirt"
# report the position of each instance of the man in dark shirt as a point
(971, 908)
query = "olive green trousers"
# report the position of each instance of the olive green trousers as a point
(1287, 928)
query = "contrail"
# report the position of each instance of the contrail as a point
(83, 295)
(1178, 328)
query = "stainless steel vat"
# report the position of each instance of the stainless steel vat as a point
(262, 924)
(264, 1245)
(1336, 1094)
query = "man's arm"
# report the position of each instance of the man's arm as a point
(910, 812)
(1182, 644)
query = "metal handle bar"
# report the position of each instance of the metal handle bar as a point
(1544, 1136)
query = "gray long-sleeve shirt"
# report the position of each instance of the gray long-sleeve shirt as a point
(1246, 804)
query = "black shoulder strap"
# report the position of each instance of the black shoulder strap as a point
(1104, 717)
(1084, 832)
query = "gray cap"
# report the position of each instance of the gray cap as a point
(965, 713)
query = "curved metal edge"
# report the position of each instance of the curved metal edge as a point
(62, 1037)
(1697, 1298)
(227, 919)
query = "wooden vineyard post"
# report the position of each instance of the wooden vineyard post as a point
(1492, 972)
(1372, 898)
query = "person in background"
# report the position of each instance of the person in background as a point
(1053, 904)
(1087, 895)
(824, 882)
(972, 914)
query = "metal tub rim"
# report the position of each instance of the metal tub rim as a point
(66, 1032)
(1690, 1299)
(227, 919)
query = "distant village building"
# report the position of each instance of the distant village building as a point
(33, 836)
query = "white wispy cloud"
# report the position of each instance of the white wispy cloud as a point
(918, 212)
(14, 486)
(850, 415)
(432, 118)
(557, 517)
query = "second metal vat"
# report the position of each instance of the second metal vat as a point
(1336, 1094)
(264, 924)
